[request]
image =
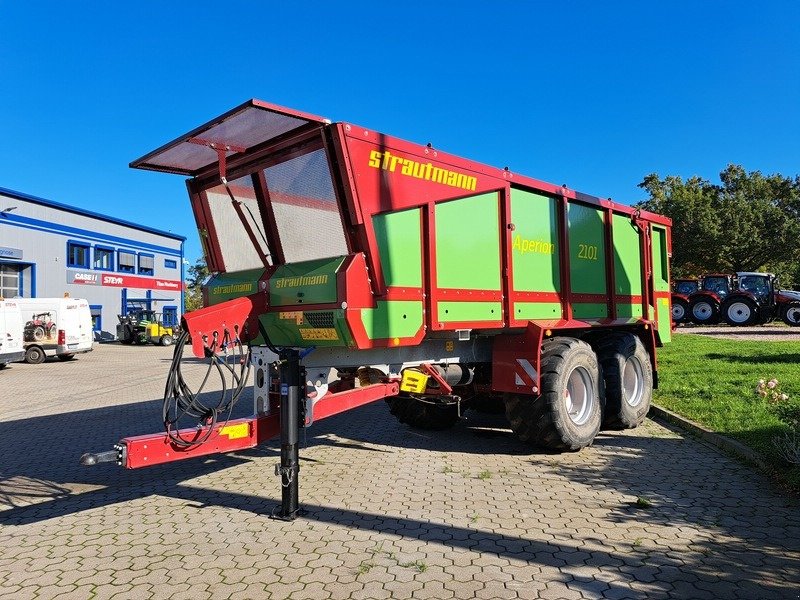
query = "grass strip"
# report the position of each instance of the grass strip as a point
(712, 381)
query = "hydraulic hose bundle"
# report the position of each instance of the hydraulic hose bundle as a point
(181, 401)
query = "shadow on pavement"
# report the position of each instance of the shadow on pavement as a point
(40, 479)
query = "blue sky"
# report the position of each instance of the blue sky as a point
(595, 95)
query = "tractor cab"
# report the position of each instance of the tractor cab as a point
(721, 285)
(761, 285)
(143, 315)
(686, 287)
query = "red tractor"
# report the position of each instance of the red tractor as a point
(680, 298)
(757, 299)
(702, 306)
(40, 326)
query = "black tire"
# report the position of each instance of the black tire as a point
(791, 314)
(548, 420)
(704, 311)
(3, 366)
(65, 357)
(126, 341)
(490, 404)
(38, 333)
(34, 355)
(166, 340)
(423, 414)
(740, 311)
(680, 311)
(628, 377)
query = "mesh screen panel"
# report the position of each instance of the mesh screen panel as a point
(246, 128)
(238, 253)
(306, 212)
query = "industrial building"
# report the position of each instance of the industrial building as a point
(48, 249)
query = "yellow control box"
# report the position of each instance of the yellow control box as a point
(413, 381)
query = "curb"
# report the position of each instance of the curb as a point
(715, 439)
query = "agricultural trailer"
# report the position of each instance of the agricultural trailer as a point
(351, 267)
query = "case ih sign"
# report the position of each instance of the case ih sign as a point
(123, 281)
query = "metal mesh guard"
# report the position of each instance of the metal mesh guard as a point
(318, 319)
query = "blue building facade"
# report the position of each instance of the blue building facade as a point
(48, 249)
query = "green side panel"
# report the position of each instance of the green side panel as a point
(534, 242)
(315, 328)
(587, 254)
(400, 247)
(537, 310)
(393, 319)
(468, 243)
(627, 257)
(664, 320)
(629, 310)
(660, 264)
(450, 312)
(227, 286)
(661, 281)
(309, 282)
(589, 311)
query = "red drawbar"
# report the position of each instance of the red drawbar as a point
(242, 434)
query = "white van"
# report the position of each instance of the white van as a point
(11, 349)
(59, 326)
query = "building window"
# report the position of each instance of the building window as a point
(170, 264)
(126, 262)
(10, 281)
(103, 258)
(78, 255)
(147, 264)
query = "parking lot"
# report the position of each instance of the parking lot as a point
(389, 511)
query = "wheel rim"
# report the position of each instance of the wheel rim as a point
(739, 312)
(678, 312)
(633, 381)
(702, 311)
(578, 396)
(793, 315)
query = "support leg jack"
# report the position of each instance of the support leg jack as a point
(289, 467)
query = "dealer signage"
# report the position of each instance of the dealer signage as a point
(128, 281)
(10, 253)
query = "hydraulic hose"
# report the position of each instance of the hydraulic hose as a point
(181, 402)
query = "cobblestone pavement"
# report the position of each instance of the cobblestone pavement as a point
(391, 512)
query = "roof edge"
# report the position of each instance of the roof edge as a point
(88, 213)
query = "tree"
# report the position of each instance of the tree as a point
(751, 222)
(196, 276)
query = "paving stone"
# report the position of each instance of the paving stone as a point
(376, 492)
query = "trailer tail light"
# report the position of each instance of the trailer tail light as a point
(62, 337)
